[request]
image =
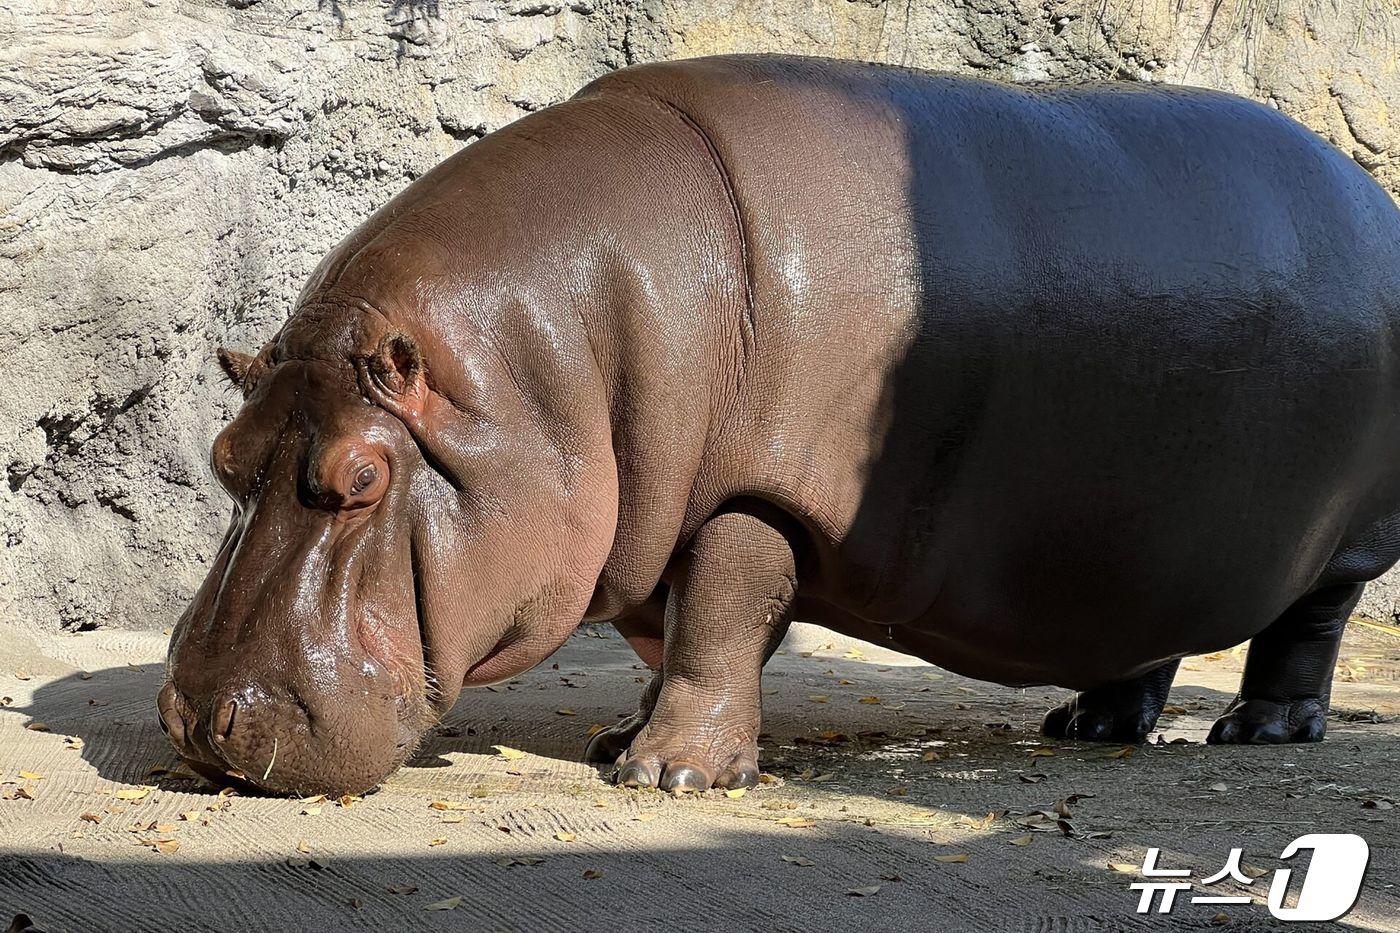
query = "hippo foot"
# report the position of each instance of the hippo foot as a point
(1118, 712)
(1270, 722)
(608, 745)
(688, 768)
(679, 753)
(1081, 718)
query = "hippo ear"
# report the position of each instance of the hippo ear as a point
(396, 375)
(235, 366)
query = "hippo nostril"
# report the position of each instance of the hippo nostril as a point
(167, 703)
(222, 723)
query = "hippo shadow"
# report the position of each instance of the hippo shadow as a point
(108, 717)
(111, 713)
(549, 712)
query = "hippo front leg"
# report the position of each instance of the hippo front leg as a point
(731, 591)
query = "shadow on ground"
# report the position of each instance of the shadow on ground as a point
(885, 773)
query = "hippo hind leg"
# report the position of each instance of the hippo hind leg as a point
(644, 630)
(1288, 673)
(607, 744)
(1120, 712)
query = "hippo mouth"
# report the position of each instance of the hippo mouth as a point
(257, 737)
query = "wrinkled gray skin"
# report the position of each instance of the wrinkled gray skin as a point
(1051, 385)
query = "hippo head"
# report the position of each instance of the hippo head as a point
(395, 537)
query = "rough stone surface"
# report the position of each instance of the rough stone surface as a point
(171, 170)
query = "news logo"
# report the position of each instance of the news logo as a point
(1328, 890)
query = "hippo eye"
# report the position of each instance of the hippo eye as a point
(364, 479)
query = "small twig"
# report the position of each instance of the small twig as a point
(1378, 626)
(273, 760)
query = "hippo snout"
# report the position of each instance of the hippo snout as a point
(254, 733)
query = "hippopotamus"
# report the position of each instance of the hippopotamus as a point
(1042, 384)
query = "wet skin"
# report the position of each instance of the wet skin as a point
(1047, 385)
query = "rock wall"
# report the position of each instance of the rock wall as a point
(171, 170)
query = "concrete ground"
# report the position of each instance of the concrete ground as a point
(901, 798)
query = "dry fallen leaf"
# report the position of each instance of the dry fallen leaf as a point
(189, 816)
(1126, 868)
(91, 817)
(1173, 710)
(818, 698)
(1124, 752)
(1042, 753)
(595, 729)
(930, 755)
(453, 818)
(957, 858)
(644, 817)
(592, 874)
(31, 775)
(22, 674)
(37, 726)
(1219, 787)
(166, 846)
(402, 889)
(445, 904)
(981, 822)
(440, 840)
(508, 753)
(1031, 778)
(134, 793)
(72, 743)
(304, 847)
(735, 793)
(798, 860)
(563, 836)
(869, 701)
(449, 805)
(867, 891)
(566, 711)
(349, 800)
(796, 822)
(1022, 840)
(510, 861)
